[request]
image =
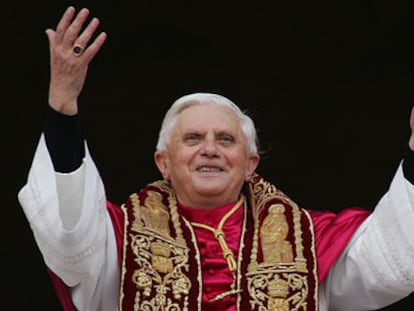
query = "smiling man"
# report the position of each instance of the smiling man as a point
(213, 234)
(208, 157)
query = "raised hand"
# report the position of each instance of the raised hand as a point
(411, 141)
(70, 56)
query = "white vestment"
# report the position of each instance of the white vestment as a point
(71, 225)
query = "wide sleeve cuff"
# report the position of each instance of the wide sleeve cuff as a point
(376, 267)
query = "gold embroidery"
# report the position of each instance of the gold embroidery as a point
(124, 251)
(300, 258)
(279, 283)
(227, 252)
(197, 258)
(162, 261)
(161, 271)
(153, 215)
(142, 280)
(240, 258)
(273, 236)
(313, 251)
(278, 291)
(220, 236)
(161, 255)
(282, 291)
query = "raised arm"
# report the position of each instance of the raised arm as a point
(64, 198)
(376, 268)
(70, 56)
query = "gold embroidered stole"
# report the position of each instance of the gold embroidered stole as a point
(161, 263)
(282, 272)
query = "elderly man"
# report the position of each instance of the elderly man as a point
(212, 234)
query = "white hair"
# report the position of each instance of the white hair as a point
(170, 119)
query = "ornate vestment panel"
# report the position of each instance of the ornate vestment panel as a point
(161, 261)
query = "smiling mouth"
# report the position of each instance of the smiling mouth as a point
(209, 169)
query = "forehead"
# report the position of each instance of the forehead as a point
(204, 117)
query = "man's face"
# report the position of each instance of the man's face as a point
(206, 159)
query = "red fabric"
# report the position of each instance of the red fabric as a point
(117, 218)
(217, 277)
(332, 233)
(62, 291)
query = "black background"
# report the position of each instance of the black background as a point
(329, 84)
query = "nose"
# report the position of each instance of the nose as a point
(209, 148)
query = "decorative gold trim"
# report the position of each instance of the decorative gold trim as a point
(124, 250)
(236, 285)
(279, 282)
(162, 257)
(255, 244)
(198, 259)
(161, 271)
(300, 259)
(273, 236)
(175, 217)
(240, 256)
(315, 262)
(220, 236)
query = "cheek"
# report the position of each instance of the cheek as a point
(185, 157)
(236, 158)
(180, 163)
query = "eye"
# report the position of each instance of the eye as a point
(192, 138)
(226, 139)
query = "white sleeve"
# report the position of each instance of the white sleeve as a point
(377, 267)
(73, 230)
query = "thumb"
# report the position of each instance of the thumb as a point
(50, 36)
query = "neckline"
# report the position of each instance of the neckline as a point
(206, 216)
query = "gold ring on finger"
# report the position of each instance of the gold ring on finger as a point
(77, 50)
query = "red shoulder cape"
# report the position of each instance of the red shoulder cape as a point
(332, 233)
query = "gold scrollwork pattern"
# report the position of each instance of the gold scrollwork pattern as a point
(161, 261)
(160, 272)
(280, 281)
(277, 276)
(278, 291)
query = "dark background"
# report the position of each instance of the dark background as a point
(329, 84)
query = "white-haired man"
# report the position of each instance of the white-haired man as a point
(212, 235)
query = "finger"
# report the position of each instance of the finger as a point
(51, 34)
(74, 28)
(95, 46)
(64, 23)
(87, 34)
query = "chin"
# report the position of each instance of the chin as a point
(211, 190)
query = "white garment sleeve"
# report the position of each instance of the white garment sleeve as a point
(73, 230)
(377, 266)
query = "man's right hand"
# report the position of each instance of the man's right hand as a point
(70, 56)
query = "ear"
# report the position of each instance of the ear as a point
(252, 164)
(161, 161)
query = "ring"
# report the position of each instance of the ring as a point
(77, 50)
